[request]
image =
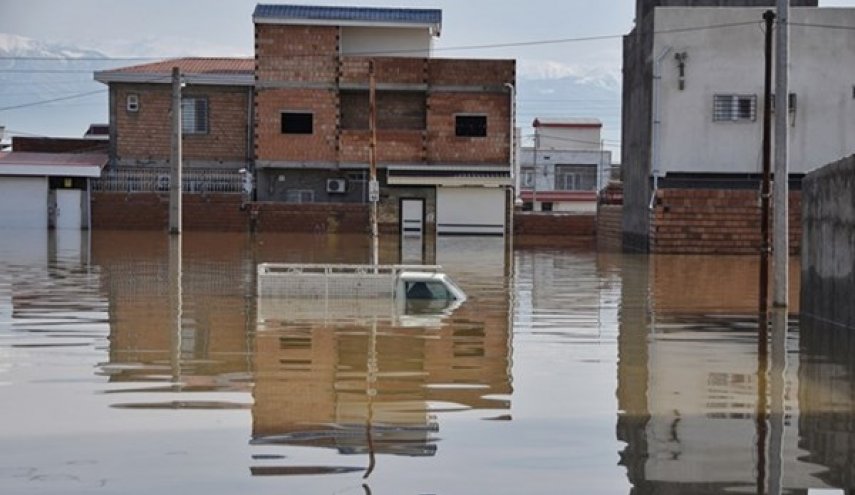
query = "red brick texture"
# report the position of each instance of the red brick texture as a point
(271, 144)
(296, 53)
(146, 133)
(708, 221)
(609, 228)
(443, 146)
(554, 224)
(224, 212)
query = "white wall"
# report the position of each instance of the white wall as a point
(470, 210)
(405, 42)
(729, 60)
(568, 138)
(547, 159)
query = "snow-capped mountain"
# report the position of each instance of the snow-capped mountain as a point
(32, 71)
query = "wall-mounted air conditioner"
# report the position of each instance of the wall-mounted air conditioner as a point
(336, 186)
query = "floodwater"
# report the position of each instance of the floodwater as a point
(133, 364)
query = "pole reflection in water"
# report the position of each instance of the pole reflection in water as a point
(702, 411)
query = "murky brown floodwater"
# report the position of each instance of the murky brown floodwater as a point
(126, 367)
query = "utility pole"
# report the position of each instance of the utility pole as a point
(769, 17)
(781, 251)
(373, 185)
(175, 158)
(534, 171)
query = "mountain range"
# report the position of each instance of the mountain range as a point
(37, 78)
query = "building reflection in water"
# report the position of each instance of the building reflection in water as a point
(185, 321)
(362, 377)
(688, 387)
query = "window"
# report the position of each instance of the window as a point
(547, 206)
(734, 108)
(299, 196)
(470, 125)
(575, 177)
(133, 102)
(194, 115)
(527, 177)
(297, 122)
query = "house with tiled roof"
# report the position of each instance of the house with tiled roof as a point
(296, 116)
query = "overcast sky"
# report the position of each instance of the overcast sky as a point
(163, 28)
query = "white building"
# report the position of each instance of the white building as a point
(693, 113)
(566, 167)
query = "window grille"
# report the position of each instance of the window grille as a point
(194, 115)
(734, 108)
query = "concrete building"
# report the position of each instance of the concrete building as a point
(565, 168)
(297, 115)
(692, 119)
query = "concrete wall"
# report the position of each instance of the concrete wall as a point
(727, 61)
(400, 42)
(828, 253)
(556, 137)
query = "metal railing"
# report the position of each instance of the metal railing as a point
(195, 181)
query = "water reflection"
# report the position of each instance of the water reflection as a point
(130, 349)
(700, 412)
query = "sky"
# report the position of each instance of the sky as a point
(172, 28)
(205, 28)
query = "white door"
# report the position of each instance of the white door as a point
(68, 215)
(470, 211)
(23, 203)
(412, 217)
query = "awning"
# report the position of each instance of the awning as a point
(448, 176)
(29, 164)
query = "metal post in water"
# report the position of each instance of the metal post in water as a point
(373, 185)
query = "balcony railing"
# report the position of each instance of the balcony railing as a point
(194, 181)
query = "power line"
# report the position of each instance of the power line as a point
(61, 98)
(513, 44)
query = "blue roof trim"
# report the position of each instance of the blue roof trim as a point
(349, 14)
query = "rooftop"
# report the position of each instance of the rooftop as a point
(569, 122)
(24, 163)
(197, 70)
(348, 16)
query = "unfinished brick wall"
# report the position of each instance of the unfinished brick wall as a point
(609, 229)
(387, 70)
(714, 221)
(146, 135)
(272, 144)
(554, 224)
(444, 146)
(296, 53)
(392, 146)
(226, 213)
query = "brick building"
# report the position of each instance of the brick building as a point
(297, 115)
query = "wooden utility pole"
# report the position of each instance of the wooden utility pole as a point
(769, 17)
(781, 251)
(373, 185)
(175, 158)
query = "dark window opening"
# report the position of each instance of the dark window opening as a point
(297, 123)
(470, 125)
(545, 206)
(734, 108)
(194, 115)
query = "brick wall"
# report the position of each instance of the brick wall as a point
(609, 230)
(57, 145)
(714, 221)
(318, 218)
(271, 144)
(387, 70)
(224, 212)
(296, 53)
(554, 224)
(471, 72)
(146, 135)
(443, 146)
(392, 146)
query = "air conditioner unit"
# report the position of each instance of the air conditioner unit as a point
(336, 186)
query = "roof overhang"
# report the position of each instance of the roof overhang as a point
(107, 77)
(27, 164)
(449, 176)
(434, 28)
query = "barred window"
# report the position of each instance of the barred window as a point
(194, 115)
(734, 108)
